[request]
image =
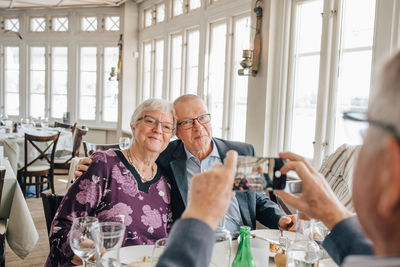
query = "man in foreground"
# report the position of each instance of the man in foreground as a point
(376, 186)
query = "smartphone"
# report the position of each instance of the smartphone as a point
(259, 174)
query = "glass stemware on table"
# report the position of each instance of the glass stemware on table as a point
(84, 234)
(158, 249)
(111, 236)
(124, 143)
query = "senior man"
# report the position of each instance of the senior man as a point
(376, 186)
(196, 151)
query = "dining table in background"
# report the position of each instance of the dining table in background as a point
(13, 144)
(21, 233)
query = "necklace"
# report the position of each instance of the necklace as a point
(137, 170)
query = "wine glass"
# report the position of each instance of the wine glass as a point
(110, 241)
(83, 236)
(124, 143)
(158, 249)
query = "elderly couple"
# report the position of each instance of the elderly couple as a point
(148, 183)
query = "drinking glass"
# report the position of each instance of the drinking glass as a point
(124, 143)
(109, 242)
(223, 239)
(44, 123)
(158, 249)
(83, 237)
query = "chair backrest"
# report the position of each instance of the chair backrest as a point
(51, 202)
(33, 140)
(79, 133)
(65, 125)
(2, 177)
(90, 148)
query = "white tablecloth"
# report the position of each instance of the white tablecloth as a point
(21, 233)
(13, 144)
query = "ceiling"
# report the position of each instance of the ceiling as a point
(33, 4)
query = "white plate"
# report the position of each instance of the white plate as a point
(273, 235)
(135, 255)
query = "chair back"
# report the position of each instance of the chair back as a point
(51, 202)
(65, 125)
(2, 177)
(79, 133)
(90, 148)
(33, 140)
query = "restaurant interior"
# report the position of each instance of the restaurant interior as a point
(276, 74)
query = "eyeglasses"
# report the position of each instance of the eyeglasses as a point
(150, 121)
(359, 116)
(189, 124)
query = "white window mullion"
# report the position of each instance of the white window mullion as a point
(227, 103)
(99, 88)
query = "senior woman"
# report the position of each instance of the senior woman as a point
(126, 182)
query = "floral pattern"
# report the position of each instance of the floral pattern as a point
(110, 191)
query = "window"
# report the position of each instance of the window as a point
(160, 13)
(159, 68)
(59, 81)
(110, 86)
(37, 73)
(192, 61)
(11, 80)
(146, 70)
(184, 6)
(177, 7)
(311, 132)
(153, 15)
(216, 72)
(38, 24)
(89, 24)
(11, 24)
(194, 4)
(148, 17)
(112, 23)
(60, 24)
(87, 83)
(176, 66)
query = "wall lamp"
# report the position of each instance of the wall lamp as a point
(251, 58)
(115, 74)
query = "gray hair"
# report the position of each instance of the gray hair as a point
(384, 101)
(161, 105)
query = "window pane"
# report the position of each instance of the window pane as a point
(148, 17)
(216, 74)
(146, 70)
(11, 80)
(176, 66)
(87, 86)
(37, 81)
(59, 81)
(159, 68)
(307, 57)
(192, 65)
(112, 23)
(60, 24)
(89, 24)
(110, 92)
(38, 24)
(160, 13)
(239, 83)
(178, 7)
(11, 24)
(193, 4)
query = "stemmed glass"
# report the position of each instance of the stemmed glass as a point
(124, 143)
(158, 249)
(83, 237)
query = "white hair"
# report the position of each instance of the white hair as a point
(161, 105)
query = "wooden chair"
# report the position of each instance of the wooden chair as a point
(51, 202)
(65, 125)
(2, 235)
(65, 162)
(42, 172)
(90, 148)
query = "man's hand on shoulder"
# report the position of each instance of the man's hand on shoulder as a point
(81, 167)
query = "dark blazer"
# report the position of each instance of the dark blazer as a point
(252, 205)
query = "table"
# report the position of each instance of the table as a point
(21, 233)
(13, 144)
(135, 254)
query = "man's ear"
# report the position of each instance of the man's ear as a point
(389, 200)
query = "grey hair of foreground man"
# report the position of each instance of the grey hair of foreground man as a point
(376, 183)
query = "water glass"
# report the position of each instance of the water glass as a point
(260, 251)
(222, 254)
(83, 236)
(158, 249)
(124, 143)
(109, 243)
(302, 253)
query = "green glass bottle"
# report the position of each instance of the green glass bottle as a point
(243, 256)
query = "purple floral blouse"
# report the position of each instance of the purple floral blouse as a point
(110, 188)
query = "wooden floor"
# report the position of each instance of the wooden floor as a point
(39, 254)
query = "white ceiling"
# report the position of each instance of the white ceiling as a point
(29, 4)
